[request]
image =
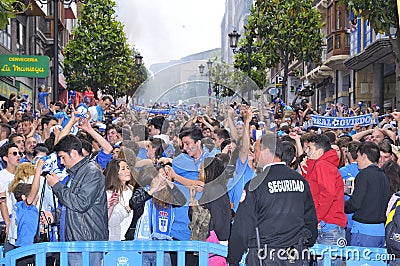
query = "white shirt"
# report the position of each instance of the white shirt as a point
(93, 113)
(120, 218)
(5, 181)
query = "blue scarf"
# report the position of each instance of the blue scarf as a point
(155, 223)
(162, 221)
(66, 181)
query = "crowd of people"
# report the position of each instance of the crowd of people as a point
(243, 176)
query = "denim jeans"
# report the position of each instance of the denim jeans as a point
(362, 240)
(149, 259)
(95, 258)
(333, 235)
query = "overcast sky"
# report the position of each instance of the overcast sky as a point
(164, 30)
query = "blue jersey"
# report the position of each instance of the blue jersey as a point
(348, 171)
(185, 166)
(243, 174)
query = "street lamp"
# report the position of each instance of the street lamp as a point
(55, 36)
(138, 63)
(201, 70)
(138, 59)
(233, 41)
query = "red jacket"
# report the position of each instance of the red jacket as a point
(327, 188)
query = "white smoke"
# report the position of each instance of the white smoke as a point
(164, 30)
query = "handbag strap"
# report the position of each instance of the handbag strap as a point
(40, 206)
(55, 213)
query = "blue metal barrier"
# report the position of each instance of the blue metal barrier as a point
(115, 252)
(130, 252)
(353, 255)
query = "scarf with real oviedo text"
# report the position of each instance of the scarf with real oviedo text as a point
(155, 222)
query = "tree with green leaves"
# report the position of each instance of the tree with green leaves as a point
(281, 32)
(383, 17)
(226, 82)
(257, 62)
(9, 9)
(98, 55)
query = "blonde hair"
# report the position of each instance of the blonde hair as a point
(22, 174)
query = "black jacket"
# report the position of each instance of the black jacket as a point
(86, 202)
(218, 204)
(139, 198)
(278, 201)
(370, 197)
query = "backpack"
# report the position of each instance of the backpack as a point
(392, 227)
(199, 225)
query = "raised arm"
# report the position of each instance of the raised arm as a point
(85, 125)
(362, 134)
(244, 150)
(231, 125)
(67, 129)
(183, 180)
(35, 183)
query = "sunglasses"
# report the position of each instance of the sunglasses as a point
(15, 153)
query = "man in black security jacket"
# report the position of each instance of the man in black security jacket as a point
(277, 204)
(369, 200)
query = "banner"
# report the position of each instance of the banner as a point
(341, 122)
(154, 110)
(24, 66)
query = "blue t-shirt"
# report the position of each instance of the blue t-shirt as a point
(103, 158)
(243, 174)
(100, 113)
(42, 98)
(27, 219)
(142, 154)
(24, 160)
(185, 166)
(350, 170)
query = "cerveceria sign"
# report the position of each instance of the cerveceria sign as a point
(24, 66)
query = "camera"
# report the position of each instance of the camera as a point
(45, 173)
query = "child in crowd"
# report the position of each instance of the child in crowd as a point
(27, 215)
(152, 205)
(43, 94)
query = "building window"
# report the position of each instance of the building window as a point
(337, 41)
(5, 36)
(338, 16)
(21, 38)
(328, 20)
(329, 44)
(347, 41)
(367, 34)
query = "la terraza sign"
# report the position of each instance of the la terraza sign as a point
(31, 66)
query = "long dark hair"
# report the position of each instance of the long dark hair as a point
(215, 180)
(159, 145)
(392, 171)
(213, 168)
(111, 173)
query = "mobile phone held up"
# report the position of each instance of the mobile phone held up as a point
(349, 186)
